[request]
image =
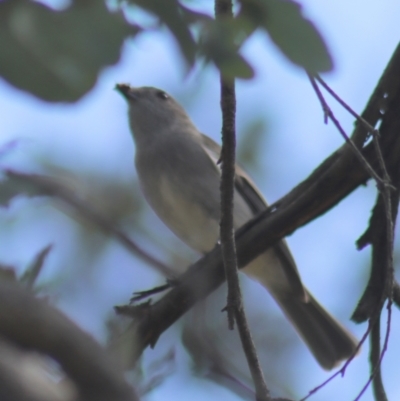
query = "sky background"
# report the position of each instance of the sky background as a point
(89, 144)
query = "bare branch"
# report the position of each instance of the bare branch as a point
(227, 159)
(375, 359)
(329, 115)
(342, 370)
(380, 235)
(370, 129)
(234, 307)
(48, 186)
(32, 324)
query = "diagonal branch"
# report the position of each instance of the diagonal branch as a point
(50, 186)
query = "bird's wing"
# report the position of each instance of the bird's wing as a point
(248, 191)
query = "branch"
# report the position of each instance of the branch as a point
(381, 285)
(375, 360)
(328, 114)
(49, 186)
(24, 377)
(384, 214)
(376, 290)
(223, 9)
(234, 307)
(32, 324)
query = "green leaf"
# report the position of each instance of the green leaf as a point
(296, 36)
(250, 144)
(220, 42)
(32, 272)
(175, 17)
(57, 55)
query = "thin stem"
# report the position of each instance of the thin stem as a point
(235, 310)
(366, 124)
(384, 187)
(49, 186)
(328, 114)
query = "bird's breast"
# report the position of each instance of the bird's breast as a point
(190, 221)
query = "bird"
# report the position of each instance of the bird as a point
(179, 174)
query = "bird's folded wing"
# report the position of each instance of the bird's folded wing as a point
(247, 190)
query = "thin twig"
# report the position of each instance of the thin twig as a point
(366, 124)
(381, 284)
(228, 105)
(45, 185)
(376, 357)
(387, 293)
(384, 187)
(33, 271)
(328, 114)
(375, 360)
(342, 370)
(235, 310)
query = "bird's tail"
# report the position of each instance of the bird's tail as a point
(327, 339)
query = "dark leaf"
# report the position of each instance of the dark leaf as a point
(220, 42)
(193, 17)
(295, 35)
(32, 272)
(175, 17)
(57, 55)
(250, 144)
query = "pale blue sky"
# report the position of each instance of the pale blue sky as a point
(92, 136)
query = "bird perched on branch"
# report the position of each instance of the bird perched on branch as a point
(180, 179)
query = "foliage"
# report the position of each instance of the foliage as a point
(57, 55)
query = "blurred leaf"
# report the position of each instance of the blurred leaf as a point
(296, 36)
(250, 145)
(32, 272)
(57, 55)
(220, 42)
(193, 17)
(8, 273)
(175, 17)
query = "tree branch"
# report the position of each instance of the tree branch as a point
(223, 9)
(380, 235)
(32, 324)
(375, 360)
(43, 185)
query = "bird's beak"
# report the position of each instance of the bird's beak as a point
(126, 91)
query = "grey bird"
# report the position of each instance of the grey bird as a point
(180, 177)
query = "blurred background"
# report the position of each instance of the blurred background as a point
(281, 139)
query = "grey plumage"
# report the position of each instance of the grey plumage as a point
(178, 173)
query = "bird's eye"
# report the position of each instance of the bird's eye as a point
(162, 95)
